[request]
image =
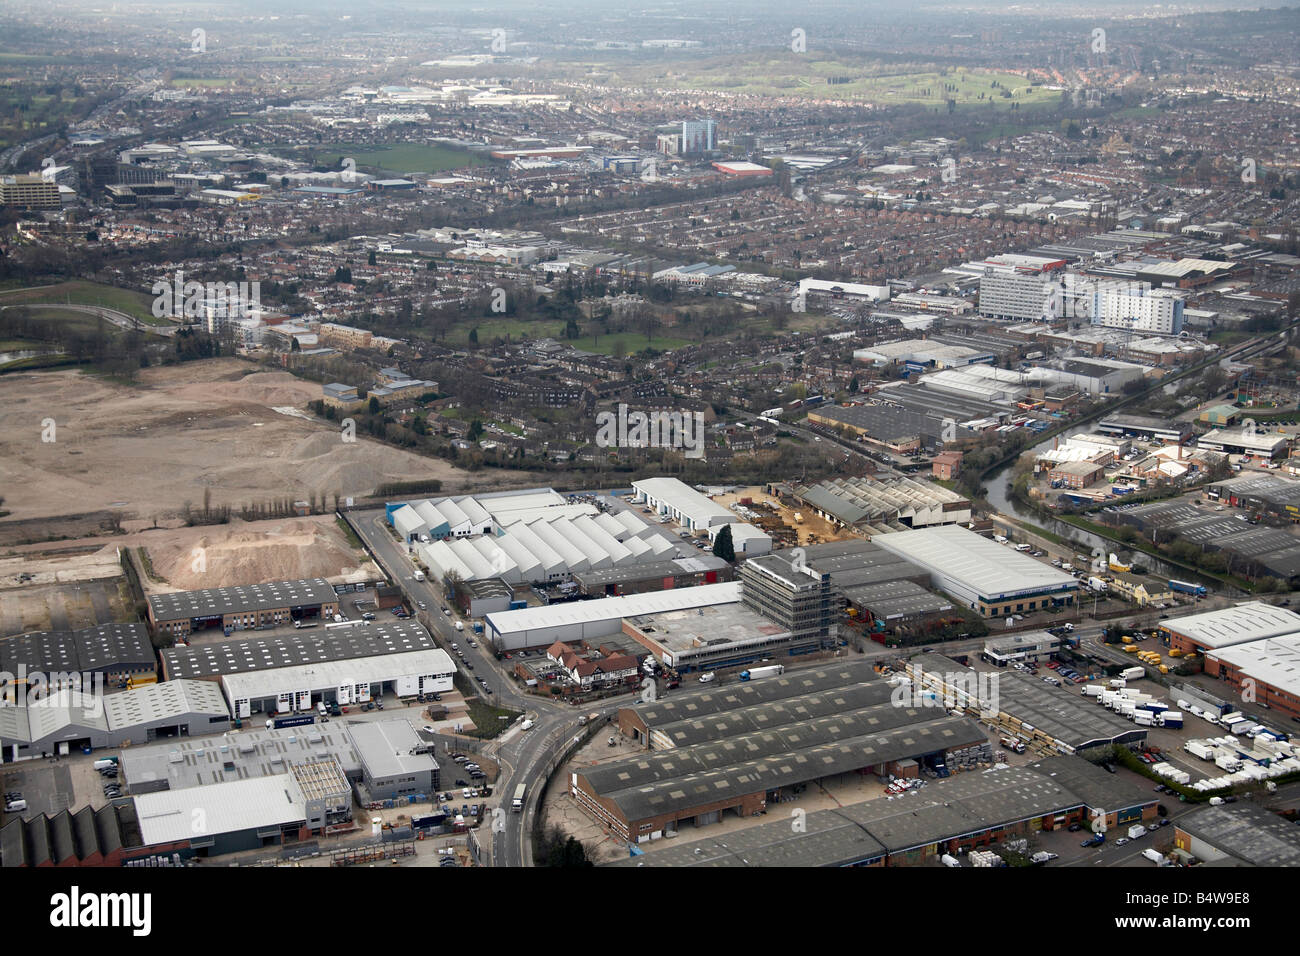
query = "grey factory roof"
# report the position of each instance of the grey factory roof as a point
(1246, 832)
(307, 647)
(781, 687)
(103, 648)
(889, 600)
(327, 675)
(767, 761)
(169, 700)
(194, 762)
(692, 564)
(942, 810)
(214, 602)
(827, 839)
(1070, 718)
(389, 748)
(1093, 786)
(770, 716)
(262, 803)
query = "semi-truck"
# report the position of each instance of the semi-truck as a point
(1198, 749)
(1133, 673)
(755, 673)
(1171, 718)
(1186, 587)
(517, 804)
(1092, 690)
(290, 720)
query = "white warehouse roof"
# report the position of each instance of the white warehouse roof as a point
(259, 803)
(1274, 661)
(684, 499)
(977, 564)
(1250, 621)
(324, 675)
(613, 608)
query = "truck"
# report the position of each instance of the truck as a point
(1144, 718)
(1096, 583)
(1172, 719)
(1014, 744)
(1226, 761)
(755, 673)
(517, 804)
(1097, 839)
(1186, 587)
(1155, 856)
(1041, 857)
(1136, 831)
(1199, 749)
(1133, 673)
(1091, 690)
(290, 720)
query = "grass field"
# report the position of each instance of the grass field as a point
(85, 293)
(402, 158)
(806, 77)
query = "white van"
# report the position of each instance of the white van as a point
(321, 708)
(104, 764)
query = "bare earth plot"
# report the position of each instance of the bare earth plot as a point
(147, 449)
(64, 592)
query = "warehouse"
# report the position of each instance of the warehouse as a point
(1027, 708)
(895, 429)
(1142, 426)
(951, 816)
(1267, 495)
(1229, 626)
(749, 756)
(183, 763)
(119, 655)
(362, 639)
(108, 836)
(705, 568)
(395, 762)
(577, 621)
(894, 503)
(1269, 669)
(357, 680)
(681, 502)
(895, 603)
(257, 605)
(237, 815)
(68, 722)
(986, 577)
(1241, 834)
(1246, 441)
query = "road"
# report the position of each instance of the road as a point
(522, 754)
(121, 319)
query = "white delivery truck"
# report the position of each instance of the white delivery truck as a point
(1136, 831)
(1156, 857)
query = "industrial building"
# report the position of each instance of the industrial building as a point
(109, 836)
(894, 428)
(1025, 646)
(1269, 669)
(1267, 495)
(686, 506)
(121, 655)
(526, 537)
(785, 591)
(577, 621)
(395, 761)
(1142, 426)
(736, 752)
(314, 645)
(721, 635)
(70, 721)
(1020, 706)
(986, 577)
(1246, 441)
(949, 816)
(241, 608)
(705, 568)
(356, 680)
(884, 504)
(1238, 834)
(1227, 627)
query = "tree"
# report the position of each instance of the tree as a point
(722, 545)
(473, 336)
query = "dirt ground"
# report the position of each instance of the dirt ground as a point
(218, 556)
(147, 449)
(812, 530)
